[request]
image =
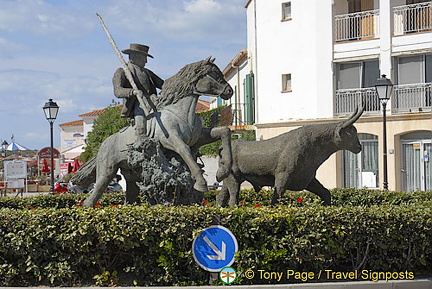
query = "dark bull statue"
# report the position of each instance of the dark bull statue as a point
(289, 161)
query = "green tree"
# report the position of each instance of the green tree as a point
(108, 123)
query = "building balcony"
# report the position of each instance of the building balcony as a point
(357, 26)
(406, 98)
(412, 97)
(242, 114)
(412, 18)
(347, 100)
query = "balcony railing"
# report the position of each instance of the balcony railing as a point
(241, 114)
(412, 97)
(406, 98)
(412, 18)
(347, 100)
(356, 26)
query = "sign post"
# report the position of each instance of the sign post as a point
(16, 173)
(215, 248)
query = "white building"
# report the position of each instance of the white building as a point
(239, 76)
(315, 61)
(74, 133)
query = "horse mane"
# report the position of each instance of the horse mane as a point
(183, 82)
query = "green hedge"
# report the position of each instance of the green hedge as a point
(340, 197)
(139, 245)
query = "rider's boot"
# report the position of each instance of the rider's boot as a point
(140, 128)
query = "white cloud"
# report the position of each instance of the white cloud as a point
(57, 49)
(184, 21)
(202, 6)
(41, 18)
(9, 48)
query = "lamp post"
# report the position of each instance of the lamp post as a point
(51, 109)
(384, 89)
(4, 147)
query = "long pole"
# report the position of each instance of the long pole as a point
(126, 69)
(52, 157)
(385, 184)
(142, 101)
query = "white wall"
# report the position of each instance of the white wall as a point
(88, 125)
(301, 47)
(237, 80)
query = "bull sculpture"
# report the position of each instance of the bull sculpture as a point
(289, 161)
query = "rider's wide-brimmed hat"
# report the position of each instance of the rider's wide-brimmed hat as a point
(137, 48)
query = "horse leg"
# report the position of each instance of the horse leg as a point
(223, 196)
(318, 189)
(175, 143)
(233, 185)
(210, 135)
(104, 175)
(230, 192)
(132, 189)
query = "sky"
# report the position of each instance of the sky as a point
(57, 49)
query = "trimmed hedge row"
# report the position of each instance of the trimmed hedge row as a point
(139, 245)
(340, 197)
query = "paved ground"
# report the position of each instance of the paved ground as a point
(24, 194)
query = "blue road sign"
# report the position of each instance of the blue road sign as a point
(214, 248)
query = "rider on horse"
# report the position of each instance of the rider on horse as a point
(146, 81)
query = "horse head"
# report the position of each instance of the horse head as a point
(212, 81)
(195, 79)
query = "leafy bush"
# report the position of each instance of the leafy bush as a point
(340, 197)
(108, 123)
(51, 240)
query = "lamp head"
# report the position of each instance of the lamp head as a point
(384, 88)
(51, 109)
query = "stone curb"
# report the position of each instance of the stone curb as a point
(399, 284)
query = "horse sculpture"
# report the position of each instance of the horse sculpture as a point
(175, 125)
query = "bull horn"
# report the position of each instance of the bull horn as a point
(354, 117)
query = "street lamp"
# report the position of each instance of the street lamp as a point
(51, 109)
(4, 147)
(384, 89)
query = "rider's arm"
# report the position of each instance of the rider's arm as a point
(122, 87)
(158, 82)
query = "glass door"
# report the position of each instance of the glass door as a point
(427, 166)
(416, 166)
(361, 170)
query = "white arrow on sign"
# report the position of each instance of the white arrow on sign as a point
(220, 256)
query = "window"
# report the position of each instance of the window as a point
(358, 74)
(361, 170)
(414, 69)
(286, 11)
(414, 78)
(356, 85)
(286, 82)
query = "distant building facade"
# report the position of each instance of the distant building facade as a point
(73, 134)
(315, 61)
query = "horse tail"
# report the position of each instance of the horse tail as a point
(86, 175)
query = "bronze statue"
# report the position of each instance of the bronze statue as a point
(146, 81)
(174, 125)
(289, 161)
